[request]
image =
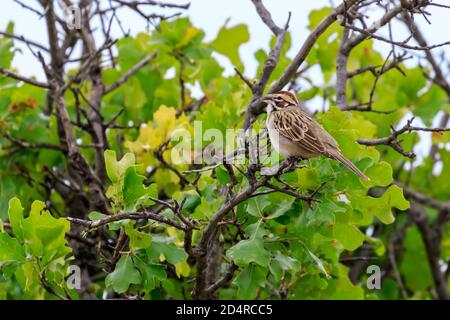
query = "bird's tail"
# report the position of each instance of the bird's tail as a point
(349, 164)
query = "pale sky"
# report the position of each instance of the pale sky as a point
(210, 15)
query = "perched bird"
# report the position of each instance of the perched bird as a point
(295, 135)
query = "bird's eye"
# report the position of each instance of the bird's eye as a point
(278, 98)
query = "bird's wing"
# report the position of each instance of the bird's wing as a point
(299, 127)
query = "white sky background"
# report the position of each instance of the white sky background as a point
(210, 15)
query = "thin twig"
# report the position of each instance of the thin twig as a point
(129, 73)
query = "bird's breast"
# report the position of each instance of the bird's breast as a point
(273, 135)
(284, 146)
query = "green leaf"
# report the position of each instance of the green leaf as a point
(131, 52)
(276, 270)
(317, 261)
(191, 201)
(428, 104)
(206, 208)
(256, 205)
(348, 235)
(316, 16)
(222, 175)
(133, 188)
(229, 40)
(283, 207)
(172, 253)
(378, 245)
(173, 288)
(150, 272)
(209, 116)
(247, 251)
(15, 214)
(380, 174)
(286, 262)
(116, 169)
(95, 215)
(45, 235)
(308, 178)
(123, 275)
(44, 249)
(112, 166)
(6, 52)
(281, 264)
(138, 239)
(324, 213)
(12, 255)
(180, 36)
(381, 207)
(10, 249)
(308, 94)
(250, 280)
(342, 288)
(411, 85)
(414, 264)
(134, 95)
(210, 70)
(37, 208)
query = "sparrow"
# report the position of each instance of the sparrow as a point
(296, 135)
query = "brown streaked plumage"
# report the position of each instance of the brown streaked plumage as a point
(295, 134)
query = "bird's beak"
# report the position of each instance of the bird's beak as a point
(268, 98)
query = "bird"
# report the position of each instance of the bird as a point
(296, 135)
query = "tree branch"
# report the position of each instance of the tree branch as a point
(25, 40)
(19, 77)
(33, 145)
(256, 104)
(423, 199)
(392, 139)
(432, 248)
(129, 73)
(292, 68)
(146, 215)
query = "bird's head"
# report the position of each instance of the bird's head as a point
(280, 100)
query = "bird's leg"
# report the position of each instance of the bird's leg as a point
(293, 163)
(270, 171)
(277, 169)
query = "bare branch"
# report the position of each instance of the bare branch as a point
(154, 3)
(23, 5)
(243, 78)
(130, 73)
(146, 215)
(401, 44)
(307, 198)
(423, 199)
(343, 102)
(341, 70)
(159, 156)
(373, 69)
(256, 105)
(23, 39)
(19, 77)
(392, 139)
(33, 145)
(266, 17)
(290, 71)
(433, 249)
